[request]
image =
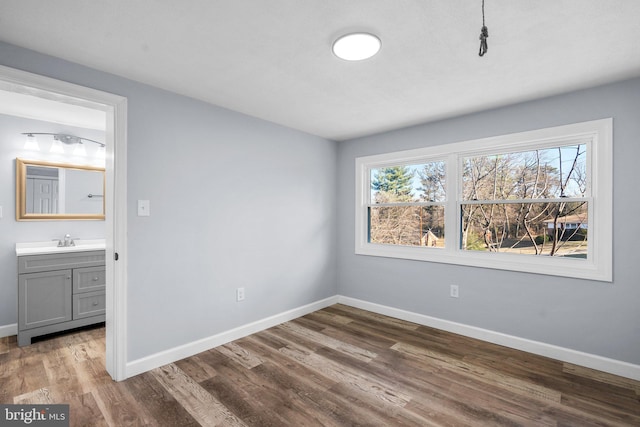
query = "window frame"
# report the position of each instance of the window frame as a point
(596, 134)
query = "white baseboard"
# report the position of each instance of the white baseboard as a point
(174, 354)
(612, 366)
(8, 330)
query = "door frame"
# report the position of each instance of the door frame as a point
(115, 108)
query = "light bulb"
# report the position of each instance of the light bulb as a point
(80, 150)
(31, 142)
(56, 147)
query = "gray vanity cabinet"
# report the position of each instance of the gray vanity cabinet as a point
(59, 291)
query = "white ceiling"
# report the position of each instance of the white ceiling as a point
(37, 108)
(272, 59)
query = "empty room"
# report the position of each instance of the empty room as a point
(319, 213)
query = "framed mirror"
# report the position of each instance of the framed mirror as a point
(58, 191)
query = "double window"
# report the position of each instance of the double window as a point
(536, 201)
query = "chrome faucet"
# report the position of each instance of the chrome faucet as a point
(68, 241)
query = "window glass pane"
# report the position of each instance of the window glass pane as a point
(412, 183)
(544, 173)
(556, 229)
(407, 225)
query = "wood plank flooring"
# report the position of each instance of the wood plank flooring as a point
(336, 367)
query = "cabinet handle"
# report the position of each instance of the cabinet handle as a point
(95, 303)
(95, 279)
(68, 277)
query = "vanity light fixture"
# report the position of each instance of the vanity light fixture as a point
(31, 142)
(58, 140)
(356, 46)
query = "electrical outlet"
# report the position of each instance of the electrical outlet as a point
(240, 294)
(453, 291)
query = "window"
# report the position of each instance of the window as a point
(530, 202)
(536, 201)
(407, 205)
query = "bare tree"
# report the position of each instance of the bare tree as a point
(502, 180)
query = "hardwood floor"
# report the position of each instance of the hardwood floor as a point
(336, 367)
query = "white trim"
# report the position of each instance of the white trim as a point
(587, 360)
(115, 107)
(8, 330)
(116, 218)
(177, 353)
(598, 134)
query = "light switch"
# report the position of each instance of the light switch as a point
(144, 208)
(0, 212)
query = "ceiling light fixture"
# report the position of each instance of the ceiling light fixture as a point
(356, 46)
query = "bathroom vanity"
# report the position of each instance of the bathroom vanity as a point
(59, 288)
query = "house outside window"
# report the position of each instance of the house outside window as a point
(537, 201)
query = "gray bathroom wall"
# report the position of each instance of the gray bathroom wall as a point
(234, 202)
(593, 317)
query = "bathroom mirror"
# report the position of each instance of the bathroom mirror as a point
(58, 191)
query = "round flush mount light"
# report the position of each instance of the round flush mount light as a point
(356, 46)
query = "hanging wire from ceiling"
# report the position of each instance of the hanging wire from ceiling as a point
(484, 34)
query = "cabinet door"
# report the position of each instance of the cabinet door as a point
(44, 298)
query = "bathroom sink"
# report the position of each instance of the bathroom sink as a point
(51, 247)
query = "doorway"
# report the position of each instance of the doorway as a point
(114, 108)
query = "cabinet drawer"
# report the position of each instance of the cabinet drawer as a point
(88, 279)
(88, 304)
(60, 261)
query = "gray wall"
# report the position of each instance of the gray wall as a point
(235, 201)
(12, 231)
(594, 317)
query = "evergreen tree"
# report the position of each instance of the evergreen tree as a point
(396, 225)
(395, 182)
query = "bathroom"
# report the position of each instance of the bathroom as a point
(22, 114)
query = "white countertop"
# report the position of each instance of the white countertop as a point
(51, 247)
